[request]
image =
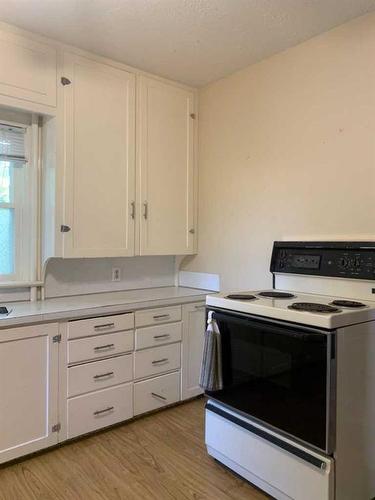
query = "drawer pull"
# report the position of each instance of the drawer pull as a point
(158, 396)
(203, 306)
(106, 410)
(159, 361)
(109, 374)
(164, 336)
(162, 316)
(107, 346)
(104, 327)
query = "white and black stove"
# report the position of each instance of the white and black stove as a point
(296, 413)
(309, 309)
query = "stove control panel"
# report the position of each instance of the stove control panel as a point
(340, 259)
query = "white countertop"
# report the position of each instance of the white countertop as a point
(97, 304)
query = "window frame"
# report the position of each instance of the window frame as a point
(26, 207)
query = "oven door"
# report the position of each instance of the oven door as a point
(279, 374)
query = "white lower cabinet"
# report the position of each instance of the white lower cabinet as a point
(193, 316)
(157, 360)
(99, 375)
(99, 409)
(60, 381)
(100, 346)
(154, 336)
(156, 393)
(28, 388)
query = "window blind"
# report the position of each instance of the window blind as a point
(12, 145)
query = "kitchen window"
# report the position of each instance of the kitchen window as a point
(18, 201)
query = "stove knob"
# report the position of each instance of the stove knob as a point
(343, 262)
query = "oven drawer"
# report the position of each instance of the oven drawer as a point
(104, 324)
(157, 316)
(263, 462)
(100, 347)
(99, 374)
(152, 336)
(156, 392)
(101, 408)
(157, 360)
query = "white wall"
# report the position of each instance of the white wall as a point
(78, 276)
(287, 150)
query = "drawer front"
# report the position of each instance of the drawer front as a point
(156, 393)
(157, 316)
(152, 336)
(157, 360)
(100, 347)
(96, 326)
(267, 462)
(99, 374)
(99, 409)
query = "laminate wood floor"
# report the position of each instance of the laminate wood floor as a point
(160, 456)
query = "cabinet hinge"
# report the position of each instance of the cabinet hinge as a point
(193, 116)
(56, 339)
(65, 81)
(64, 229)
(56, 427)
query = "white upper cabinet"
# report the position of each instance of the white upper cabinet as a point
(166, 128)
(28, 70)
(99, 175)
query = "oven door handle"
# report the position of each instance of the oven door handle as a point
(274, 329)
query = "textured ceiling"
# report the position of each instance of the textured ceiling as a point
(193, 41)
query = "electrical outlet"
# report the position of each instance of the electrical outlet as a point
(116, 274)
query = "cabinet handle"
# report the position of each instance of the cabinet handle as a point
(192, 231)
(105, 410)
(164, 336)
(159, 361)
(203, 306)
(162, 316)
(105, 326)
(158, 396)
(132, 212)
(107, 346)
(145, 210)
(96, 377)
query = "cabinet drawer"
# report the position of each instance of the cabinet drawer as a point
(100, 346)
(104, 324)
(156, 316)
(99, 409)
(157, 360)
(156, 393)
(151, 336)
(99, 374)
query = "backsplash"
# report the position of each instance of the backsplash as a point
(65, 277)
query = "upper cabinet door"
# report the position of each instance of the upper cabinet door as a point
(28, 69)
(166, 127)
(99, 149)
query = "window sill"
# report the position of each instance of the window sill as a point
(20, 284)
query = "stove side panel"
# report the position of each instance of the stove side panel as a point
(355, 424)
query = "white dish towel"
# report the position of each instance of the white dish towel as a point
(211, 376)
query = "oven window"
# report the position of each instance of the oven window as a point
(277, 375)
